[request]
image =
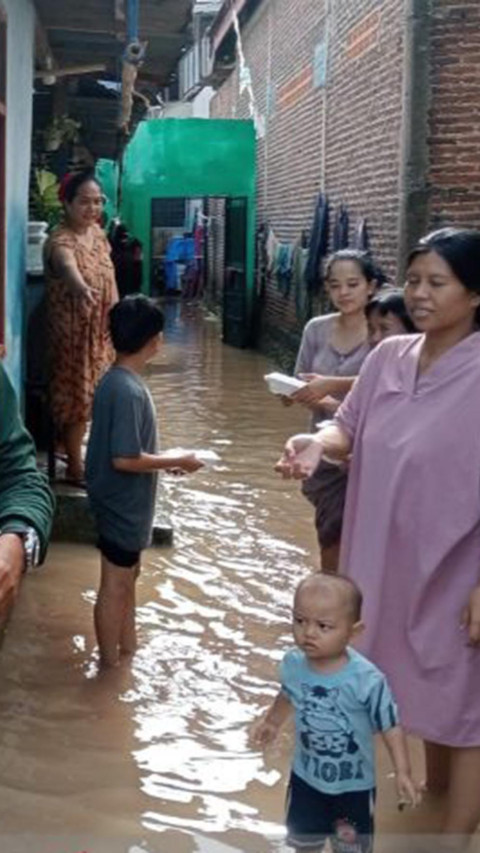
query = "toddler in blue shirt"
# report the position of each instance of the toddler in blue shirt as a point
(340, 700)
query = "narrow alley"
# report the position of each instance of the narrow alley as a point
(156, 757)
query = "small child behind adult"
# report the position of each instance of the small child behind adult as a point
(121, 471)
(340, 700)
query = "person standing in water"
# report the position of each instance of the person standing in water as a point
(334, 345)
(412, 518)
(340, 701)
(121, 470)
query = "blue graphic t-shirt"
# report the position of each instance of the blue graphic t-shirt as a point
(336, 716)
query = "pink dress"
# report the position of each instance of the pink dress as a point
(411, 536)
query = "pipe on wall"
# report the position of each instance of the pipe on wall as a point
(414, 149)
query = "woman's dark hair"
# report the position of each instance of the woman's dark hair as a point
(363, 260)
(460, 249)
(391, 302)
(134, 321)
(74, 181)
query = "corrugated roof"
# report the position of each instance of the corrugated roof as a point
(84, 32)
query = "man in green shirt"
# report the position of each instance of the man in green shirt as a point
(26, 502)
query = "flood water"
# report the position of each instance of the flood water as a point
(155, 756)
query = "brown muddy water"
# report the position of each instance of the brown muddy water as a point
(155, 757)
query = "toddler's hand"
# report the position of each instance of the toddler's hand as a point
(409, 792)
(262, 733)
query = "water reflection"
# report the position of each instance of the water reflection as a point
(158, 756)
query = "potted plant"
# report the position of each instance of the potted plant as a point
(45, 205)
(61, 131)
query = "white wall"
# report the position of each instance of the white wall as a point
(20, 40)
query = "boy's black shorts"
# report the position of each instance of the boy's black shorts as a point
(347, 820)
(117, 555)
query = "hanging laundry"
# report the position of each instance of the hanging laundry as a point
(362, 239)
(302, 302)
(283, 267)
(340, 229)
(318, 244)
(271, 250)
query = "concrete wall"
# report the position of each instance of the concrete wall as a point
(20, 22)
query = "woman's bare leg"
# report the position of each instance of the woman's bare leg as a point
(73, 435)
(437, 761)
(463, 800)
(329, 558)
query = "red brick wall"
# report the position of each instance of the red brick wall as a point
(455, 114)
(364, 115)
(348, 136)
(361, 126)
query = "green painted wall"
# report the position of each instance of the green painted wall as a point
(170, 158)
(107, 173)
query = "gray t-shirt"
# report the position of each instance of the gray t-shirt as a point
(123, 425)
(318, 355)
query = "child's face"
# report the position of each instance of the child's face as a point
(323, 625)
(154, 346)
(348, 288)
(380, 327)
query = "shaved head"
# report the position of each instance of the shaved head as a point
(333, 586)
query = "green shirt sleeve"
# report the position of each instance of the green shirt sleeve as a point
(25, 495)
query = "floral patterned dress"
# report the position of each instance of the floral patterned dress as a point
(79, 345)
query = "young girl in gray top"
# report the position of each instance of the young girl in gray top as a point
(335, 345)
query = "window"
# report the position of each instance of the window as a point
(3, 130)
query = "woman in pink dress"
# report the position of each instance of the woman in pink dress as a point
(411, 535)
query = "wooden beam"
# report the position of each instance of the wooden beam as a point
(120, 20)
(145, 33)
(224, 21)
(43, 50)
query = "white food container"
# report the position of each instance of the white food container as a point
(207, 457)
(281, 383)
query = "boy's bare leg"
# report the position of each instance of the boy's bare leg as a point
(128, 633)
(109, 610)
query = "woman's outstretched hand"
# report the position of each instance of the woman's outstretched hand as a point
(301, 456)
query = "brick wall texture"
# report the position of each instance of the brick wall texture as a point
(345, 137)
(455, 114)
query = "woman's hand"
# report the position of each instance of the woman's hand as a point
(84, 293)
(317, 390)
(471, 617)
(313, 392)
(301, 456)
(329, 405)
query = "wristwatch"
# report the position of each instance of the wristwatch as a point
(31, 543)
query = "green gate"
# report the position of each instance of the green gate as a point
(198, 158)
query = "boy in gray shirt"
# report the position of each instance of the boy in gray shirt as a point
(121, 471)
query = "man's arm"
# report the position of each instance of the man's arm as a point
(25, 496)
